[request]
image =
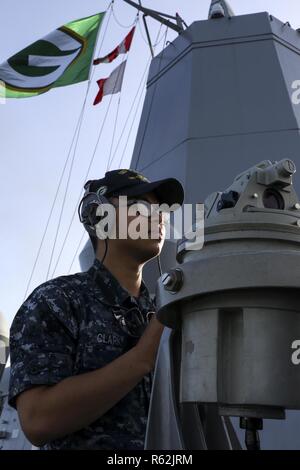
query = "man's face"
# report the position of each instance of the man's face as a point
(142, 249)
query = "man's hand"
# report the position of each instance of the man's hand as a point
(148, 344)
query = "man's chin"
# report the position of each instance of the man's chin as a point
(155, 246)
(150, 248)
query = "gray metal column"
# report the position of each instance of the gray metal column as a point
(219, 100)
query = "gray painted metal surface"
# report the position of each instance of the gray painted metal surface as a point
(222, 91)
(238, 307)
(165, 427)
(3, 344)
(218, 101)
(238, 314)
(11, 434)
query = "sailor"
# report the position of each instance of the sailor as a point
(83, 346)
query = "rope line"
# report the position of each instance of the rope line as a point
(158, 40)
(53, 205)
(142, 81)
(130, 130)
(127, 119)
(84, 180)
(110, 160)
(123, 25)
(92, 159)
(152, 99)
(65, 195)
(76, 132)
(132, 125)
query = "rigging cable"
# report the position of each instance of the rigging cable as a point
(152, 98)
(124, 127)
(158, 40)
(131, 127)
(77, 127)
(122, 133)
(64, 199)
(85, 179)
(165, 39)
(89, 167)
(114, 133)
(74, 155)
(53, 205)
(142, 82)
(132, 106)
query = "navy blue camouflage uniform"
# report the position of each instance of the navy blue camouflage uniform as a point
(67, 327)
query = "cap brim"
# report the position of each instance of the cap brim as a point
(168, 191)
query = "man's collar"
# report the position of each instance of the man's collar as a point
(112, 291)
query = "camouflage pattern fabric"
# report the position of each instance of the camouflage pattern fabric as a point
(67, 327)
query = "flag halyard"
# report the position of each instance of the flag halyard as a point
(112, 84)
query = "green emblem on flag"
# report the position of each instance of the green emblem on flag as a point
(61, 58)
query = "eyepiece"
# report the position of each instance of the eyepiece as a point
(272, 199)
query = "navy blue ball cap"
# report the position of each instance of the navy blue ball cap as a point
(131, 183)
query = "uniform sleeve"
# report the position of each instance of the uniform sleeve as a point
(42, 341)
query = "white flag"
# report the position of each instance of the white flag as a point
(112, 84)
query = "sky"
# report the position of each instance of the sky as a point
(37, 133)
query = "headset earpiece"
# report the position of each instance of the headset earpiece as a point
(91, 212)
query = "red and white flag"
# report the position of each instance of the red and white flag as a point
(122, 48)
(111, 84)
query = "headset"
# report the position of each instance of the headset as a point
(90, 212)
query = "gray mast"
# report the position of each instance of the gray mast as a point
(220, 98)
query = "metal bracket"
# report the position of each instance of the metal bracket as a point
(161, 17)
